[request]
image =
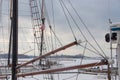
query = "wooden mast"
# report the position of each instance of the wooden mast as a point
(49, 53)
(15, 39)
(11, 29)
(42, 29)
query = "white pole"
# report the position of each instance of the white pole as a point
(116, 28)
(118, 52)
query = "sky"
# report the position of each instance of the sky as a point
(94, 13)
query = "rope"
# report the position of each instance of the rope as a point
(81, 60)
(68, 20)
(47, 16)
(49, 23)
(51, 39)
(51, 26)
(53, 21)
(93, 51)
(4, 62)
(25, 37)
(51, 30)
(48, 19)
(74, 20)
(79, 28)
(47, 41)
(86, 27)
(55, 35)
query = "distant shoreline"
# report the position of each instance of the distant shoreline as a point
(22, 56)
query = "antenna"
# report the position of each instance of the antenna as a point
(110, 22)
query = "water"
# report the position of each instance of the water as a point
(69, 76)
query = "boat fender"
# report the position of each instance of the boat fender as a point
(107, 37)
(113, 37)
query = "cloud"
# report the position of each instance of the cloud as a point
(94, 13)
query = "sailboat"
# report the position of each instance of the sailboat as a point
(43, 64)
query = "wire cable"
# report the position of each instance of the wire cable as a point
(93, 51)
(73, 19)
(86, 27)
(78, 26)
(68, 20)
(81, 60)
(54, 26)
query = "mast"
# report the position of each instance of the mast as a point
(15, 39)
(42, 29)
(10, 37)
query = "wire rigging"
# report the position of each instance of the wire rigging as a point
(72, 31)
(3, 41)
(24, 35)
(68, 20)
(73, 19)
(77, 25)
(86, 27)
(80, 29)
(49, 23)
(53, 32)
(53, 15)
(93, 51)
(81, 60)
